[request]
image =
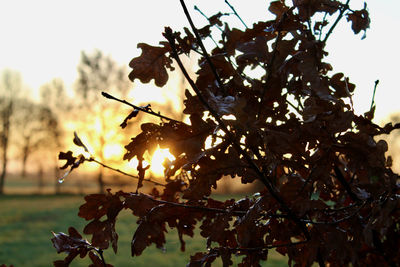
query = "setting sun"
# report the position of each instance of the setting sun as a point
(157, 160)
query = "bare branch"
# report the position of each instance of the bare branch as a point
(122, 172)
(146, 110)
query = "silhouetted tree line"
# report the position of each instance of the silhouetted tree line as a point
(32, 130)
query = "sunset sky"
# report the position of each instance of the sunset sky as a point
(42, 39)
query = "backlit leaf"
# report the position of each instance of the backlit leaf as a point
(151, 64)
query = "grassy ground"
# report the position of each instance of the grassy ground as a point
(26, 223)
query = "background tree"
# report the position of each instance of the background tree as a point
(37, 126)
(11, 84)
(329, 193)
(96, 73)
(54, 98)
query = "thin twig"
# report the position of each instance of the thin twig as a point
(236, 213)
(293, 106)
(201, 12)
(200, 42)
(342, 180)
(236, 14)
(204, 15)
(216, 252)
(149, 111)
(270, 246)
(203, 208)
(122, 172)
(337, 221)
(373, 95)
(345, 7)
(320, 32)
(208, 19)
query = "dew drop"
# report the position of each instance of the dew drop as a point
(61, 180)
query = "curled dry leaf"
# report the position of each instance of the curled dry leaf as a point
(151, 64)
(359, 20)
(77, 141)
(73, 244)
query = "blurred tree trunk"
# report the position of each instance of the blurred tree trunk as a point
(100, 176)
(40, 177)
(25, 154)
(10, 86)
(6, 116)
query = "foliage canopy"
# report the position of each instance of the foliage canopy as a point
(329, 193)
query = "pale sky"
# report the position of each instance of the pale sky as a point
(43, 38)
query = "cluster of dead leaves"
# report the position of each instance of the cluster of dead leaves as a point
(329, 185)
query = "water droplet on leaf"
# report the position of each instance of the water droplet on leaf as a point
(61, 180)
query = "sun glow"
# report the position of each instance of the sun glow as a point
(113, 151)
(159, 156)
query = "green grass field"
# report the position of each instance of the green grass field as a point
(26, 223)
